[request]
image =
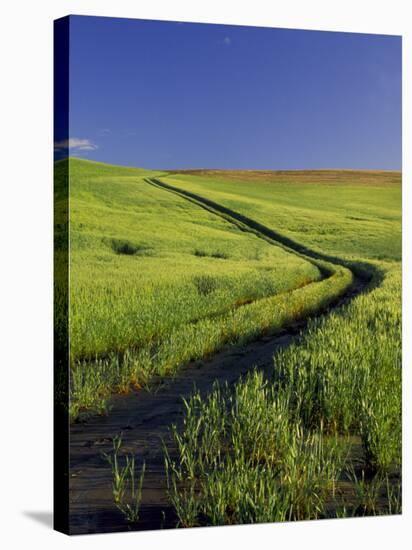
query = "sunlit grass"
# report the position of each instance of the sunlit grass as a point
(237, 449)
(126, 487)
(158, 280)
(276, 450)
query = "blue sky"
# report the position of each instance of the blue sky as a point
(183, 95)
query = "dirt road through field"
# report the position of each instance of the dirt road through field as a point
(143, 419)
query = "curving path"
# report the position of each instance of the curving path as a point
(143, 417)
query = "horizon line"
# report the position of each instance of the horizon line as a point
(203, 169)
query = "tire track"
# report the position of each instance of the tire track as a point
(244, 223)
(143, 417)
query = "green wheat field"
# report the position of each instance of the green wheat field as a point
(170, 267)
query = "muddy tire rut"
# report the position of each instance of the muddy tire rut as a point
(143, 418)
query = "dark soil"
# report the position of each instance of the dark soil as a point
(143, 418)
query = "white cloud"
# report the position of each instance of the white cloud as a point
(227, 41)
(75, 144)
